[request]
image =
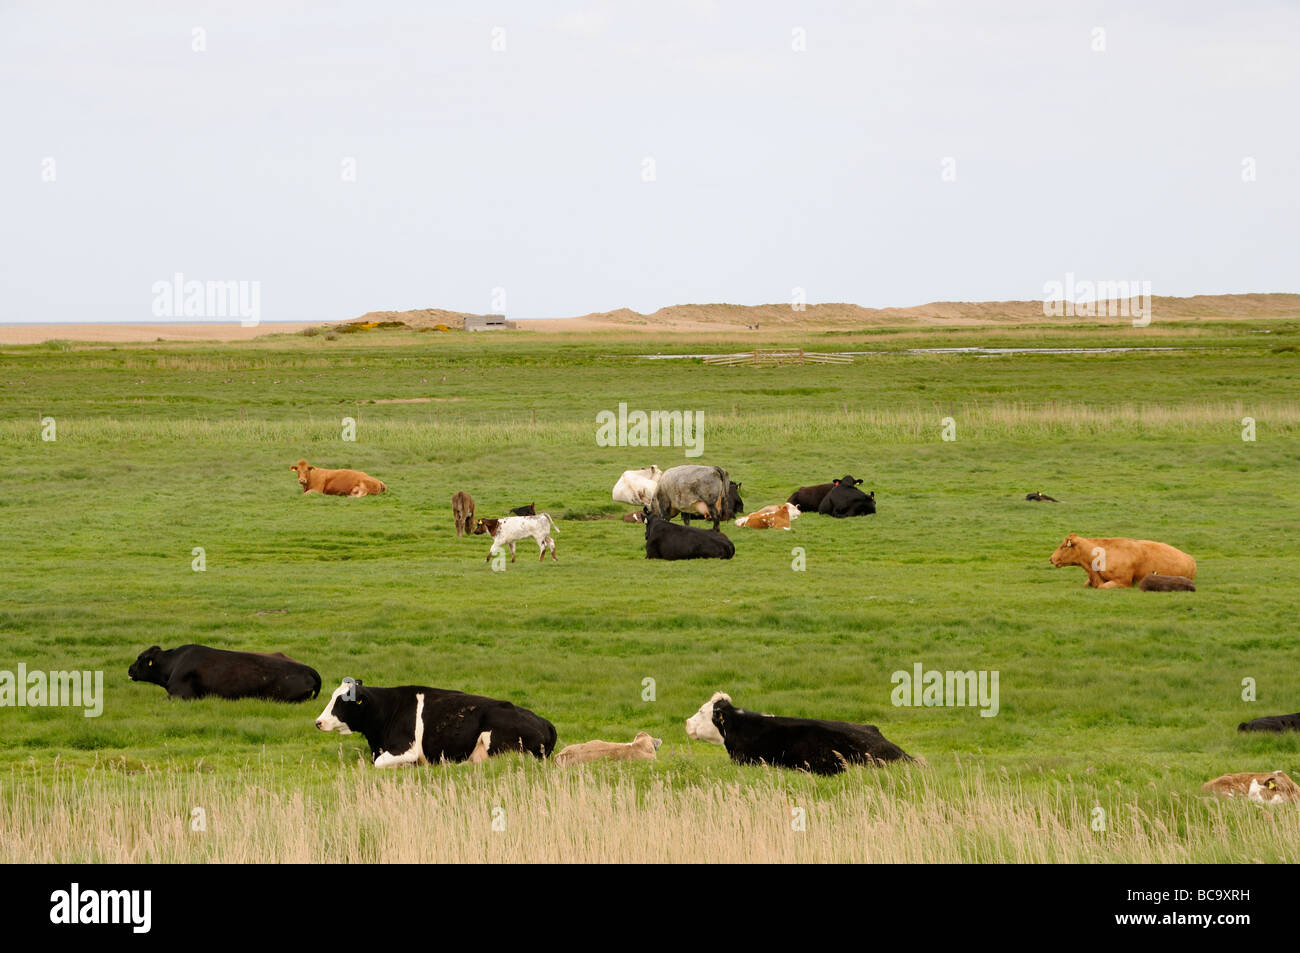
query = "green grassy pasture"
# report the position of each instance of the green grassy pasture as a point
(1120, 698)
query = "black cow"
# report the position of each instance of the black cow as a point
(1038, 496)
(805, 744)
(414, 724)
(1272, 723)
(809, 498)
(665, 540)
(732, 506)
(845, 499)
(528, 510)
(195, 671)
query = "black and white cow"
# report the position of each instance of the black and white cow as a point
(196, 671)
(1272, 723)
(806, 744)
(845, 499)
(418, 725)
(665, 540)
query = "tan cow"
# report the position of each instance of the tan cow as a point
(1118, 563)
(462, 511)
(640, 748)
(776, 516)
(1271, 788)
(335, 482)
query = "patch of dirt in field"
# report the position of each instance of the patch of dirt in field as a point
(416, 400)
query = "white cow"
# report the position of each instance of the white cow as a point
(637, 486)
(511, 529)
(700, 725)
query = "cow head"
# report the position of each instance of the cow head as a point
(644, 737)
(345, 710)
(734, 503)
(484, 525)
(1069, 553)
(1272, 788)
(302, 468)
(701, 726)
(846, 480)
(145, 668)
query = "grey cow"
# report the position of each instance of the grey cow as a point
(693, 490)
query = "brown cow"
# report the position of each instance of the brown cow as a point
(1159, 582)
(640, 748)
(776, 516)
(462, 511)
(335, 482)
(1118, 563)
(1271, 788)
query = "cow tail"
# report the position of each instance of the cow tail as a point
(725, 482)
(554, 528)
(315, 678)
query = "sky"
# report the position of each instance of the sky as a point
(557, 159)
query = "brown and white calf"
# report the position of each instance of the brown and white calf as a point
(335, 482)
(1270, 788)
(776, 516)
(507, 531)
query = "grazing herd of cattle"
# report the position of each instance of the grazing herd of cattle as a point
(417, 724)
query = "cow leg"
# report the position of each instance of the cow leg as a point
(551, 544)
(491, 552)
(357, 490)
(513, 556)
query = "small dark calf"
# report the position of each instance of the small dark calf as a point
(1156, 582)
(528, 510)
(1041, 497)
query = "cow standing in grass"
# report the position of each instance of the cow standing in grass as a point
(511, 529)
(462, 511)
(694, 490)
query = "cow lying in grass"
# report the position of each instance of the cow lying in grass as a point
(511, 529)
(1272, 723)
(777, 516)
(1271, 788)
(846, 500)
(197, 671)
(414, 724)
(805, 744)
(1118, 563)
(640, 748)
(335, 482)
(665, 540)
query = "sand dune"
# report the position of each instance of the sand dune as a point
(687, 318)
